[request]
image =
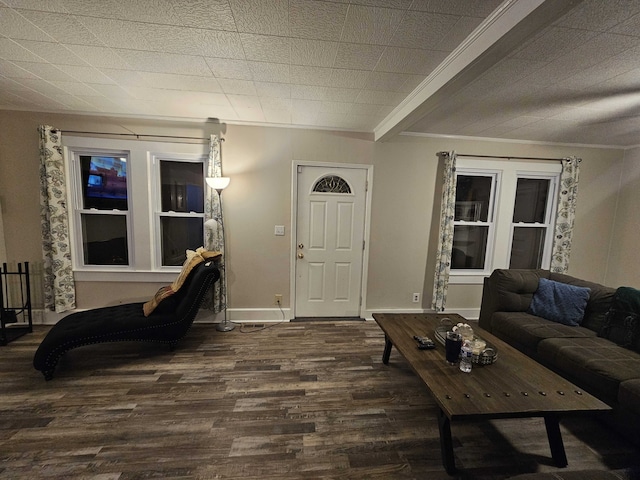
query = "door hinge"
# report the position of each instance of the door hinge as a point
(364, 242)
(366, 185)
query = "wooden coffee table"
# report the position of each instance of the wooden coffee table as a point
(515, 386)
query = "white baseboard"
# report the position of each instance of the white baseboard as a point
(261, 315)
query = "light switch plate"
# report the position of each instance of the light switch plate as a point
(279, 230)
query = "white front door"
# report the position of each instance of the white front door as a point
(331, 203)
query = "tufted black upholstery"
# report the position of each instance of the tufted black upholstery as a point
(167, 324)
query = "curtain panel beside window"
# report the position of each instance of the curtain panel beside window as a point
(59, 285)
(567, 200)
(214, 238)
(445, 238)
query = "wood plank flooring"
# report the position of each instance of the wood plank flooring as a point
(309, 400)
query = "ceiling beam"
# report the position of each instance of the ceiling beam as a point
(498, 35)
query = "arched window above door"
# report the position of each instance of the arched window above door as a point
(331, 184)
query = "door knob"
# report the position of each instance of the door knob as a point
(300, 246)
(300, 255)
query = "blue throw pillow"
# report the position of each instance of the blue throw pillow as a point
(559, 302)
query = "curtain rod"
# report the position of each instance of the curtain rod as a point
(513, 157)
(137, 135)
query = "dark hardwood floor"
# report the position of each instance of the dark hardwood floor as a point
(303, 400)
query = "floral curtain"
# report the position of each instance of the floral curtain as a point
(445, 239)
(59, 287)
(567, 199)
(214, 230)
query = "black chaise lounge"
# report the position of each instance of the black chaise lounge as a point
(167, 324)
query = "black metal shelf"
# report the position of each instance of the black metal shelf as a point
(15, 303)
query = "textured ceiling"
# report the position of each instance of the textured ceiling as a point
(330, 64)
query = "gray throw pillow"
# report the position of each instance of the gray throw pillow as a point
(559, 302)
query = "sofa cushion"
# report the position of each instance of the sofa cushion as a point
(559, 302)
(595, 364)
(524, 331)
(622, 322)
(629, 395)
(599, 300)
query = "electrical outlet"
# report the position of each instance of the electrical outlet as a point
(416, 297)
(278, 299)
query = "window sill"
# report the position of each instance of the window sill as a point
(149, 276)
(468, 279)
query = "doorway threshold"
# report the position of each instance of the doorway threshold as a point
(327, 319)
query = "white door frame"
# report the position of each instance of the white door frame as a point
(294, 229)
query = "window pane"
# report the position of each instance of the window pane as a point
(531, 200)
(104, 182)
(527, 248)
(469, 246)
(105, 239)
(182, 186)
(473, 194)
(178, 235)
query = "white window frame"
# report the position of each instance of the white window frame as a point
(500, 243)
(156, 199)
(142, 181)
(496, 176)
(549, 220)
(75, 191)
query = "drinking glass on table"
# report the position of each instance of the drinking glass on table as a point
(452, 345)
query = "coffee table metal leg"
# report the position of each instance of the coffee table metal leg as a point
(552, 422)
(446, 443)
(387, 350)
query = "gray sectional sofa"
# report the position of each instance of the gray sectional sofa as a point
(600, 354)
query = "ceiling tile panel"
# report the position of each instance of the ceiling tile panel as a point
(349, 78)
(182, 82)
(409, 60)
(308, 92)
(317, 19)
(311, 75)
(472, 8)
(553, 43)
(165, 62)
(386, 81)
(213, 14)
(249, 114)
(11, 70)
(371, 25)
(114, 92)
(76, 88)
(600, 15)
(268, 89)
(277, 116)
(52, 52)
(270, 72)
(118, 33)
(174, 39)
(454, 37)
(336, 107)
(46, 71)
(422, 29)
(348, 95)
(358, 56)
(227, 68)
(124, 77)
(10, 50)
(239, 87)
(365, 109)
(14, 25)
(63, 28)
(315, 53)
(379, 97)
(266, 48)
(267, 17)
(244, 101)
(42, 5)
(102, 57)
(275, 103)
(220, 44)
